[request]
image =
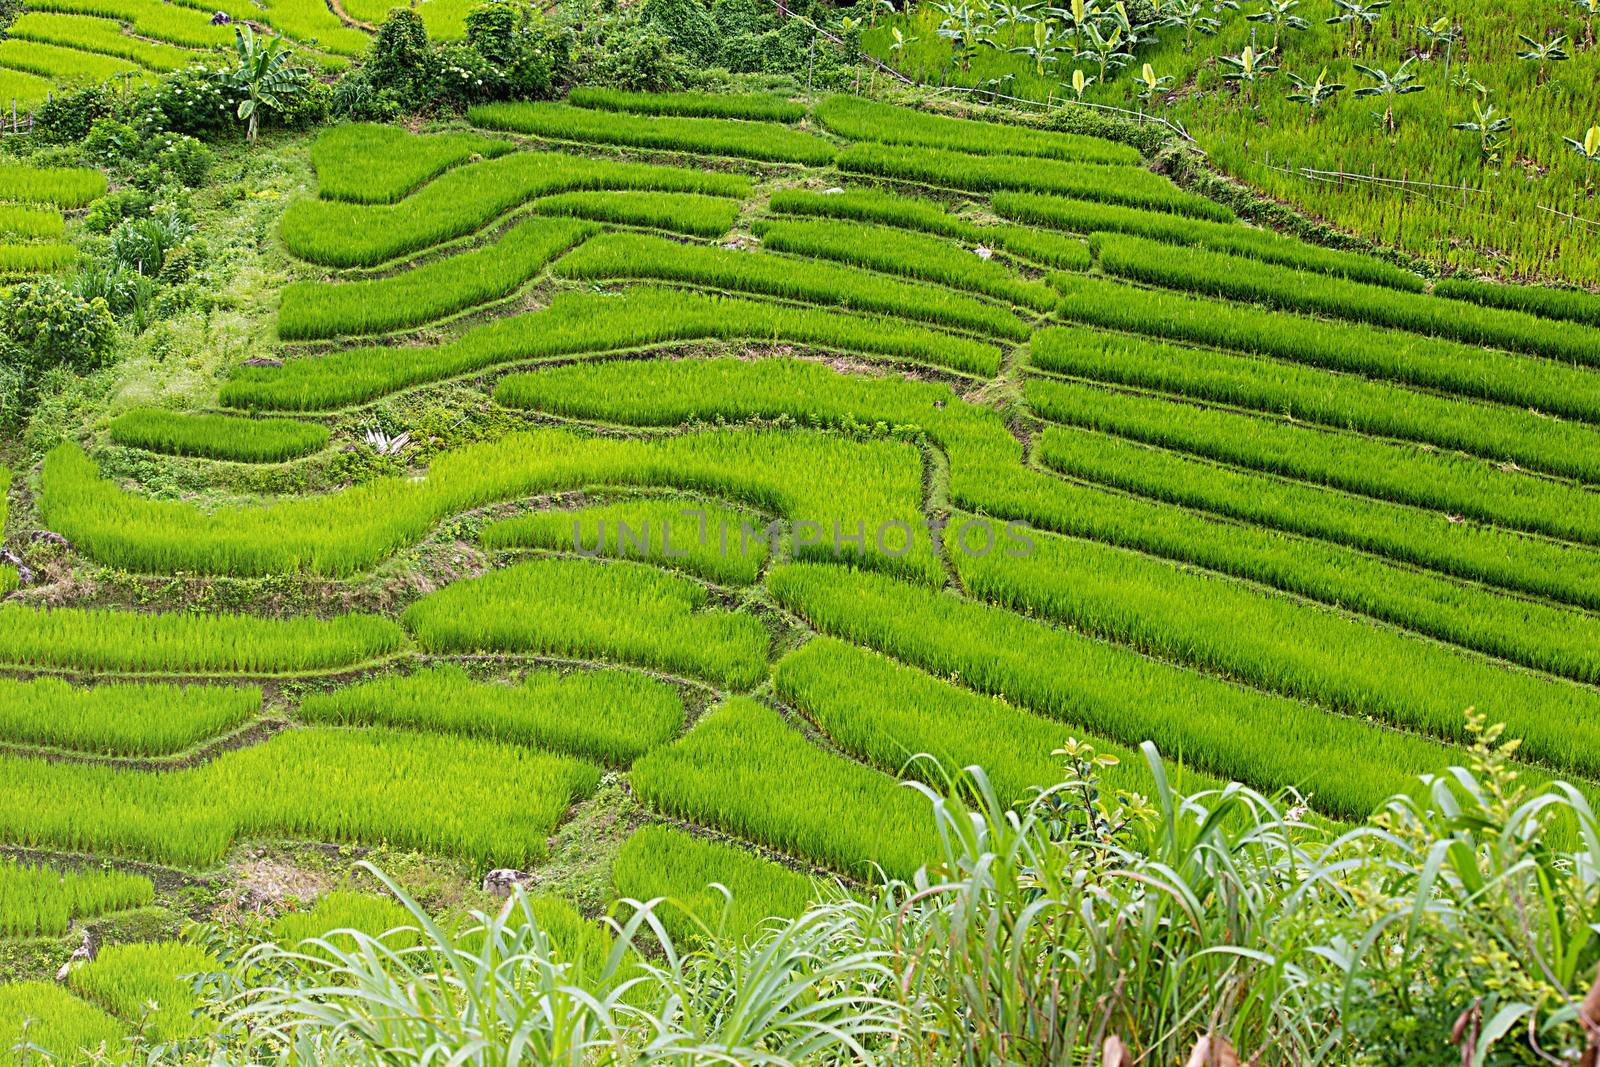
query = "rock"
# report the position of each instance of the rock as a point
(80, 955)
(263, 361)
(983, 253)
(501, 881)
(835, 191)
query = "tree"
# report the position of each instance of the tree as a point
(1389, 84)
(1247, 68)
(1551, 51)
(265, 76)
(1279, 14)
(1315, 93)
(1490, 129)
(1589, 150)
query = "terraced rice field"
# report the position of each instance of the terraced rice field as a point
(776, 450)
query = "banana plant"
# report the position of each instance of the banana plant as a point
(1080, 82)
(1194, 16)
(1077, 14)
(1011, 14)
(1356, 16)
(264, 76)
(898, 46)
(1314, 94)
(1543, 53)
(1151, 86)
(1587, 10)
(1109, 51)
(1388, 85)
(1044, 49)
(1588, 150)
(879, 7)
(964, 27)
(1490, 127)
(1441, 32)
(1279, 14)
(1247, 68)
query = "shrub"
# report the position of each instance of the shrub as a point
(44, 326)
(66, 117)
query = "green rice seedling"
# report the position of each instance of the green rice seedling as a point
(99, 640)
(35, 258)
(1088, 217)
(590, 323)
(64, 187)
(367, 163)
(744, 770)
(30, 222)
(871, 205)
(831, 484)
(101, 35)
(42, 901)
(454, 796)
(1308, 394)
(859, 119)
(1428, 539)
(635, 256)
(1091, 181)
(69, 66)
(629, 612)
(51, 1018)
(149, 984)
(24, 88)
(889, 715)
(609, 716)
(1450, 483)
(152, 19)
(345, 909)
(661, 861)
(1114, 692)
(1398, 355)
(1052, 250)
(691, 535)
(1218, 274)
(1278, 644)
(464, 200)
(914, 255)
(1569, 305)
(217, 436)
(762, 108)
(311, 310)
(691, 213)
(120, 720)
(701, 136)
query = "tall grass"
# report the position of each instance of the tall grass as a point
(38, 901)
(691, 213)
(705, 105)
(1218, 274)
(608, 716)
(589, 323)
(30, 222)
(1437, 363)
(100, 35)
(859, 119)
(1450, 483)
(468, 198)
(1502, 433)
(744, 770)
(634, 256)
(367, 163)
(872, 205)
(1570, 305)
(629, 612)
(453, 796)
(120, 720)
(1088, 217)
(96, 640)
(768, 142)
(895, 251)
(217, 436)
(433, 290)
(981, 174)
(148, 984)
(51, 1018)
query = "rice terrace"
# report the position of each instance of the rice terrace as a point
(750, 533)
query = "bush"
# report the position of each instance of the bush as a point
(637, 57)
(401, 67)
(686, 25)
(197, 101)
(46, 325)
(67, 118)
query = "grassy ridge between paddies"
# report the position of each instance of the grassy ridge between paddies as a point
(756, 106)
(1450, 366)
(988, 476)
(148, 984)
(1495, 432)
(1569, 304)
(1239, 278)
(1088, 217)
(92, 640)
(454, 796)
(887, 714)
(1452, 483)
(464, 200)
(662, 861)
(64, 64)
(612, 717)
(120, 720)
(30, 223)
(65, 187)
(101, 35)
(42, 901)
(313, 310)
(1424, 538)
(366, 163)
(50, 1017)
(857, 119)
(895, 251)
(817, 478)
(695, 536)
(1115, 692)
(744, 770)
(768, 142)
(691, 213)
(217, 436)
(1281, 645)
(622, 611)
(643, 257)
(1111, 183)
(592, 323)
